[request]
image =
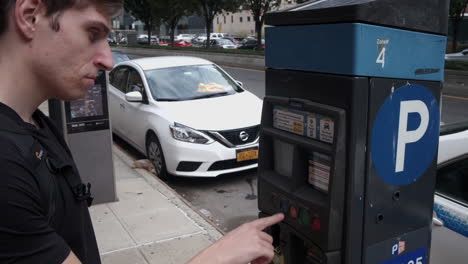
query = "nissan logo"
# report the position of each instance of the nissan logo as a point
(243, 136)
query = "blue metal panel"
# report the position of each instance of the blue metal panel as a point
(356, 49)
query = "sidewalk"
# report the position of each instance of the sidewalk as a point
(149, 223)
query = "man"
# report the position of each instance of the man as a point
(54, 49)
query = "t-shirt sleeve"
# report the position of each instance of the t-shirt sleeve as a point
(25, 234)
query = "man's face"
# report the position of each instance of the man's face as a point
(66, 62)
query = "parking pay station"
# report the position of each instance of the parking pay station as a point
(86, 127)
(350, 128)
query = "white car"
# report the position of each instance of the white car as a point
(458, 56)
(185, 37)
(186, 114)
(450, 232)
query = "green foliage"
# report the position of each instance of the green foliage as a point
(456, 65)
(144, 10)
(457, 10)
(173, 10)
(210, 8)
(258, 9)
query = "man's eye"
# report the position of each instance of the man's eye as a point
(93, 35)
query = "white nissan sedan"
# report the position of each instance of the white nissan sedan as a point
(186, 114)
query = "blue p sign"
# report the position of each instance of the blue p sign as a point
(405, 135)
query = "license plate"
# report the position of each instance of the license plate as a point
(247, 154)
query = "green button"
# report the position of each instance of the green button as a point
(304, 216)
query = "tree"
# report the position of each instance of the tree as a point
(144, 10)
(457, 11)
(258, 8)
(173, 10)
(210, 8)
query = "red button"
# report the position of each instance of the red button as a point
(316, 224)
(293, 212)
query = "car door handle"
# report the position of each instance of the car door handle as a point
(122, 106)
(436, 220)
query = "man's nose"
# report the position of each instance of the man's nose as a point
(103, 60)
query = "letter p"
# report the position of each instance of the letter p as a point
(405, 136)
(395, 249)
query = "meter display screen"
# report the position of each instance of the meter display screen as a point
(303, 123)
(319, 171)
(284, 154)
(90, 106)
(89, 113)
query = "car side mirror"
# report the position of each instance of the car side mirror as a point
(135, 97)
(241, 84)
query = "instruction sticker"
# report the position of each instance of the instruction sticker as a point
(312, 126)
(319, 171)
(327, 130)
(288, 120)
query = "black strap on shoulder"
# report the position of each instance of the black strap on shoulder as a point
(80, 190)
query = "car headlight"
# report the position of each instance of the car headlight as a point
(187, 134)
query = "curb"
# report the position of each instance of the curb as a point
(214, 232)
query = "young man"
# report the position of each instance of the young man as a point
(54, 49)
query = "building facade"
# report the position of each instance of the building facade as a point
(241, 23)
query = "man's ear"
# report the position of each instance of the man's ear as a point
(26, 16)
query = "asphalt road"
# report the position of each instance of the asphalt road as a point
(231, 200)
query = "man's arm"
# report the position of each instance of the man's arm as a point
(247, 243)
(72, 259)
(25, 233)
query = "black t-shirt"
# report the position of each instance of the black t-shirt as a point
(43, 216)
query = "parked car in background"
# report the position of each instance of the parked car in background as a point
(122, 40)
(180, 43)
(202, 38)
(233, 40)
(222, 44)
(186, 114)
(250, 43)
(111, 40)
(450, 232)
(185, 37)
(458, 56)
(143, 40)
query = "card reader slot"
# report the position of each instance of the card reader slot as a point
(299, 140)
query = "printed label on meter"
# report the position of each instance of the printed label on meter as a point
(326, 130)
(319, 171)
(288, 120)
(303, 123)
(312, 126)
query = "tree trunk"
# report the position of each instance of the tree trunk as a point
(148, 24)
(258, 28)
(456, 24)
(208, 31)
(173, 26)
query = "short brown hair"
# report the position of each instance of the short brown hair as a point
(56, 7)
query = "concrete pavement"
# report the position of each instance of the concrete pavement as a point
(149, 223)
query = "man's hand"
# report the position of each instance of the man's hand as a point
(247, 243)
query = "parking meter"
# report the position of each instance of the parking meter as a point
(86, 126)
(350, 125)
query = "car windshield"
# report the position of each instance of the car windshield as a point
(119, 57)
(224, 42)
(190, 83)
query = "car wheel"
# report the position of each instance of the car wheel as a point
(156, 156)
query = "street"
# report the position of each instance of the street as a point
(231, 200)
